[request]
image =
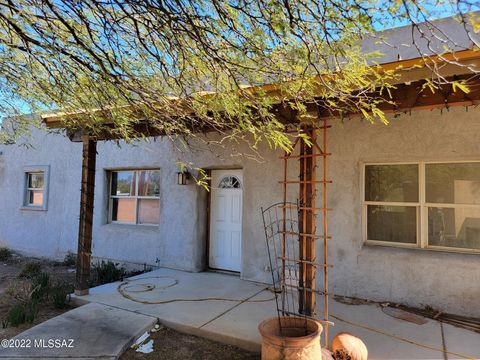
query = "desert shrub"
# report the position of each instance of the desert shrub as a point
(30, 269)
(5, 253)
(70, 259)
(59, 295)
(20, 313)
(40, 286)
(15, 316)
(20, 289)
(107, 272)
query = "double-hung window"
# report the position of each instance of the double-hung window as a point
(135, 196)
(35, 193)
(35, 189)
(430, 205)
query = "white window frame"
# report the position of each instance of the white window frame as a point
(35, 169)
(136, 197)
(421, 206)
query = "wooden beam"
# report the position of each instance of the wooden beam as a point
(407, 97)
(418, 96)
(82, 281)
(307, 225)
(326, 236)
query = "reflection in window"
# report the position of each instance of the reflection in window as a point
(454, 227)
(457, 183)
(123, 183)
(392, 223)
(391, 183)
(35, 189)
(149, 183)
(135, 196)
(230, 182)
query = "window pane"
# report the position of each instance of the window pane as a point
(35, 197)
(148, 211)
(453, 183)
(454, 227)
(123, 183)
(149, 183)
(392, 223)
(35, 180)
(123, 210)
(396, 183)
(230, 182)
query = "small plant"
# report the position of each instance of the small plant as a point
(70, 259)
(31, 311)
(30, 269)
(107, 272)
(20, 313)
(59, 295)
(5, 254)
(15, 316)
(40, 286)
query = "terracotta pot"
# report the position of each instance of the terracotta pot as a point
(296, 338)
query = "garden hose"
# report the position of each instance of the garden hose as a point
(123, 290)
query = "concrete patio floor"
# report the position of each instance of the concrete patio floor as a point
(210, 314)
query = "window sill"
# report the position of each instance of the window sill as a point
(127, 226)
(33, 208)
(373, 244)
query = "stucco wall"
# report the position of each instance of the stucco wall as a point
(42, 233)
(447, 281)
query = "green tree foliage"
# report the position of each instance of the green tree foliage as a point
(190, 66)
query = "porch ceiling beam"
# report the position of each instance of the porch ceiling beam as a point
(418, 96)
(408, 96)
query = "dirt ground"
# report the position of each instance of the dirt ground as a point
(9, 271)
(173, 345)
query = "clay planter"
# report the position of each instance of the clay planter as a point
(293, 342)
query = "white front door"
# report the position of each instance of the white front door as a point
(226, 220)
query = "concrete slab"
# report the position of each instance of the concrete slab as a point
(241, 322)
(92, 331)
(208, 314)
(460, 343)
(206, 295)
(382, 333)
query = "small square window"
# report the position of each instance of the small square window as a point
(35, 190)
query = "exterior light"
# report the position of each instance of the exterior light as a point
(182, 177)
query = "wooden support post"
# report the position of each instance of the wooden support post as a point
(84, 253)
(284, 228)
(307, 226)
(326, 236)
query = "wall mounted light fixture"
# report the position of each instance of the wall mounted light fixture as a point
(182, 177)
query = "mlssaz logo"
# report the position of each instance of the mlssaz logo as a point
(53, 343)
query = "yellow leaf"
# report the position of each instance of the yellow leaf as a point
(461, 86)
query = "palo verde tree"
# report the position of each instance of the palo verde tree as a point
(190, 66)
